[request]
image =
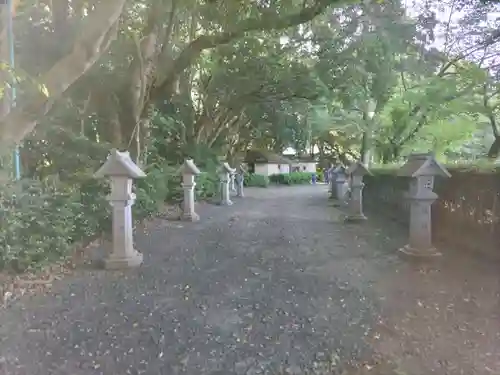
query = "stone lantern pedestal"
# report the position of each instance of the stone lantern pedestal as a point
(336, 174)
(189, 170)
(120, 169)
(225, 172)
(329, 179)
(422, 168)
(240, 179)
(340, 188)
(356, 173)
(232, 181)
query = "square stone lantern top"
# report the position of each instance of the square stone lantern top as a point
(188, 167)
(358, 169)
(423, 164)
(119, 164)
(338, 169)
(226, 168)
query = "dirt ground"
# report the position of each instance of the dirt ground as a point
(276, 283)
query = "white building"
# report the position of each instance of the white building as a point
(304, 165)
(267, 163)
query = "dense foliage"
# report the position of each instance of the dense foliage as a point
(256, 180)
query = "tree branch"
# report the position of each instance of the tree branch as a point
(96, 36)
(268, 21)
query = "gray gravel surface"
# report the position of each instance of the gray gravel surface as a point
(275, 282)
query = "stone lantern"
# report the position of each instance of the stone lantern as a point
(356, 172)
(422, 169)
(120, 169)
(232, 181)
(328, 177)
(339, 191)
(337, 172)
(225, 172)
(189, 171)
(240, 179)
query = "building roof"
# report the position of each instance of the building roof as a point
(305, 160)
(264, 156)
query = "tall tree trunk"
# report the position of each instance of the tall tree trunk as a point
(95, 37)
(494, 149)
(60, 17)
(366, 148)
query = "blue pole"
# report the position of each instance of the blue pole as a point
(10, 37)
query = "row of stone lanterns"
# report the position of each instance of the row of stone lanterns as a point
(121, 171)
(346, 188)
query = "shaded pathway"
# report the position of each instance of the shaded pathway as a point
(274, 282)
(267, 282)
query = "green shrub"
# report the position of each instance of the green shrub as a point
(297, 178)
(256, 180)
(279, 178)
(207, 185)
(319, 176)
(38, 223)
(294, 178)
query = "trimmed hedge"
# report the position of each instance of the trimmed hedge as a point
(319, 176)
(42, 221)
(294, 178)
(256, 180)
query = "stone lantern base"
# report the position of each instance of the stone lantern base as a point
(355, 218)
(338, 203)
(190, 217)
(414, 252)
(131, 260)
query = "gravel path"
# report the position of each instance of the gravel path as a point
(268, 284)
(275, 282)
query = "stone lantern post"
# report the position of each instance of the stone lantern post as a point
(189, 171)
(422, 169)
(340, 186)
(120, 169)
(232, 181)
(356, 172)
(225, 172)
(335, 189)
(240, 179)
(328, 178)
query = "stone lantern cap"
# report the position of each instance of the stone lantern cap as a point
(358, 169)
(119, 164)
(424, 164)
(226, 168)
(188, 167)
(337, 169)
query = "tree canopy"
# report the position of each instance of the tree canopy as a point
(166, 79)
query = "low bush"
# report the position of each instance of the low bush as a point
(161, 184)
(207, 185)
(256, 180)
(297, 178)
(39, 222)
(294, 178)
(279, 178)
